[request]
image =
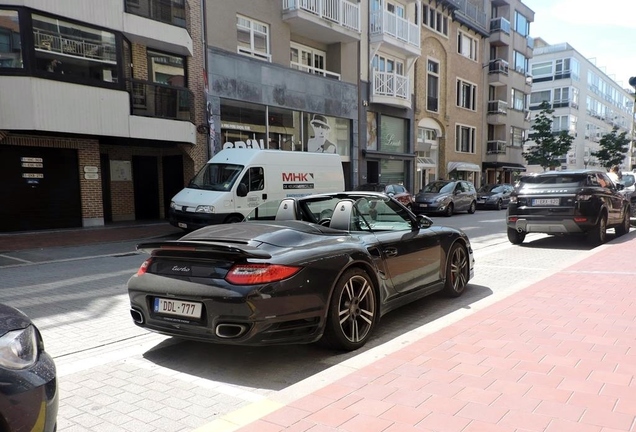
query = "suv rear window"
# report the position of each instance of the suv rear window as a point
(556, 179)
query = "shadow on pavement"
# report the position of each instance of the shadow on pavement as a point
(277, 367)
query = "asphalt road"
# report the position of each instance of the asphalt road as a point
(115, 376)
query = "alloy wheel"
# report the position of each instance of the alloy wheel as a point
(356, 309)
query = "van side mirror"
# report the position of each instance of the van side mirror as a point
(241, 190)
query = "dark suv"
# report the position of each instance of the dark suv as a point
(567, 202)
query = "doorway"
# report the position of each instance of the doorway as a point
(146, 187)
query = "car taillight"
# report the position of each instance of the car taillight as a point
(144, 267)
(253, 274)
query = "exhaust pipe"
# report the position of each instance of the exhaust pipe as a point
(137, 316)
(230, 331)
(519, 230)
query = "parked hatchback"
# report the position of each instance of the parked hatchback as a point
(28, 383)
(446, 197)
(397, 191)
(583, 202)
(494, 196)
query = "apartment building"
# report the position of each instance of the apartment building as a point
(510, 83)
(283, 74)
(387, 71)
(587, 102)
(99, 107)
(450, 92)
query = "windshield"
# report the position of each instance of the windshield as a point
(628, 180)
(439, 187)
(494, 188)
(216, 177)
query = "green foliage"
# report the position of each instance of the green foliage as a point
(549, 147)
(612, 148)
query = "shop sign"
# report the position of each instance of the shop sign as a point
(245, 144)
(32, 175)
(32, 165)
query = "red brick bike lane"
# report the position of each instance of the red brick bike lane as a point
(557, 356)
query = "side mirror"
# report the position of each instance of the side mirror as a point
(424, 221)
(241, 190)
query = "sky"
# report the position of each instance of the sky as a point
(604, 30)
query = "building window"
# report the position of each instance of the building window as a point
(518, 136)
(563, 123)
(308, 59)
(520, 62)
(393, 137)
(566, 68)
(166, 69)
(434, 20)
(465, 139)
(540, 70)
(537, 98)
(10, 45)
(518, 101)
(467, 46)
(82, 52)
(253, 38)
(466, 95)
(522, 25)
(432, 86)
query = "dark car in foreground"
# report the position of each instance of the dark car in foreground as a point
(323, 267)
(628, 180)
(446, 197)
(494, 196)
(582, 202)
(28, 383)
(397, 191)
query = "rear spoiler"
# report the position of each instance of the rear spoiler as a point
(203, 246)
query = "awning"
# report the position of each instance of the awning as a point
(425, 162)
(463, 166)
(506, 166)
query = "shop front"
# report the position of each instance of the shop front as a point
(387, 154)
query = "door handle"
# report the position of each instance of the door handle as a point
(391, 252)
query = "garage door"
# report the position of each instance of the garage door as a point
(39, 189)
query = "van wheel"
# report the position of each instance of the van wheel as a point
(233, 219)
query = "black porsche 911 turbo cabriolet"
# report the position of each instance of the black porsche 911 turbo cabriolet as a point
(322, 267)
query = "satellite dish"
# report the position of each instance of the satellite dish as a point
(632, 81)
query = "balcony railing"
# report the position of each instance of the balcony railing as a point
(75, 46)
(391, 84)
(499, 25)
(342, 12)
(530, 42)
(388, 23)
(497, 107)
(173, 12)
(159, 100)
(495, 147)
(498, 66)
(314, 70)
(471, 15)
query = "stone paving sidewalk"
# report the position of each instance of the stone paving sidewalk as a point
(558, 356)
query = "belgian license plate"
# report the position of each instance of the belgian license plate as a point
(182, 225)
(423, 205)
(178, 308)
(545, 201)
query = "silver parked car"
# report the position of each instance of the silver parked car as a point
(446, 197)
(494, 196)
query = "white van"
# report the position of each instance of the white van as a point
(236, 180)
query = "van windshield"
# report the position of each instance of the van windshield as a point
(216, 177)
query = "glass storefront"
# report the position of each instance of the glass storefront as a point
(250, 125)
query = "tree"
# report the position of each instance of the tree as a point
(612, 148)
(549, 147)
